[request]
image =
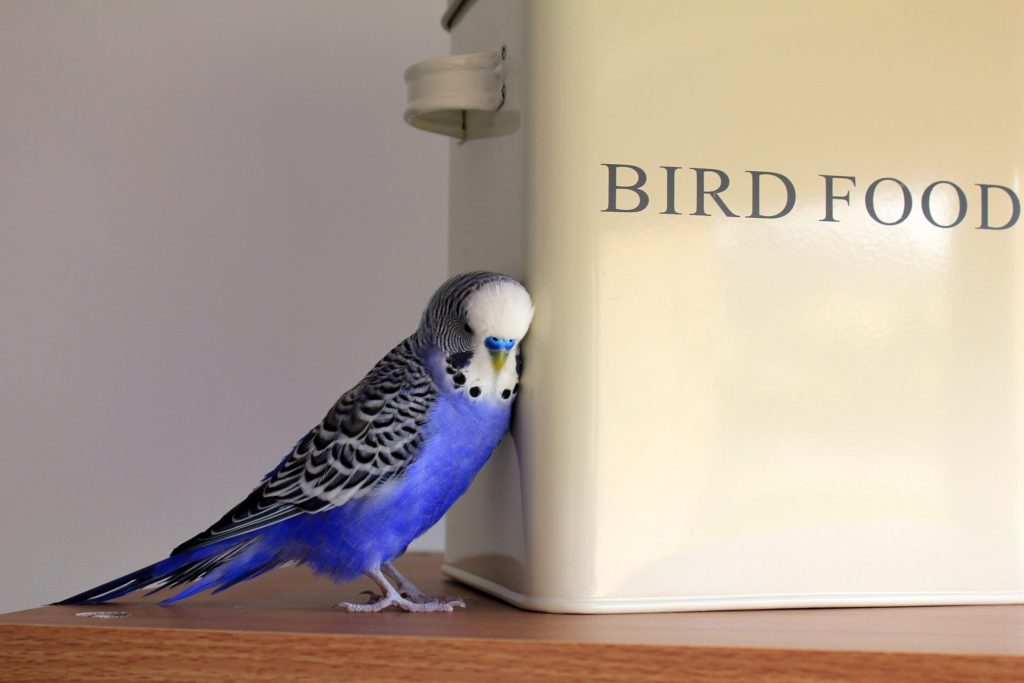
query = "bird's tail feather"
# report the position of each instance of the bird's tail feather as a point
(139, 578)
(208, 565)
(228, 576)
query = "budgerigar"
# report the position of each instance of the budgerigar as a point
(382, 467)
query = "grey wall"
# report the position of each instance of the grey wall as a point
(212, 221)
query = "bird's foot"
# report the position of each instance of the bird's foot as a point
(408, 597)
(383, 602)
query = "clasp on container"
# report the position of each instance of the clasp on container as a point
(444, 92)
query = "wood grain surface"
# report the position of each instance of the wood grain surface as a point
(282, 627)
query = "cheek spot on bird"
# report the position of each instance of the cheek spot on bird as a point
(474, 392)
(460, 360)
(459, 379)
(450, 370)
(506, 394)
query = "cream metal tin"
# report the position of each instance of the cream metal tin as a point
(735, 412)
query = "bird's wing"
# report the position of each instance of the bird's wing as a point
(369, 437)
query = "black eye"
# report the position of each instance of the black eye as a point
(467, 328)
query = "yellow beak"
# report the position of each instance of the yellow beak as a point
(498, 358)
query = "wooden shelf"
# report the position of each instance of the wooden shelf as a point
(281, 627)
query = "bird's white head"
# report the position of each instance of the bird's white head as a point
(474, 323)
(498, 314)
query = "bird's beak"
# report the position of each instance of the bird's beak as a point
(498, 358)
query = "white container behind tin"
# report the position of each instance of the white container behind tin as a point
(796, 391)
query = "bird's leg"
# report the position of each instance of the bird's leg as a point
(392, 597)
(405, 586)
(409, 590)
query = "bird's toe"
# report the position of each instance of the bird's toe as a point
(442, 605)
(375, 606)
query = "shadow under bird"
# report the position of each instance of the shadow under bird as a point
(382, 467)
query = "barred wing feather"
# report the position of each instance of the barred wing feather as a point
(369, 437)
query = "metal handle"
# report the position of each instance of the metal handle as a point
(442, 90)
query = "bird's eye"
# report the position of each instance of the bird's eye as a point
(467, 328)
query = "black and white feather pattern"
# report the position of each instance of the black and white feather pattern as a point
(370, 436)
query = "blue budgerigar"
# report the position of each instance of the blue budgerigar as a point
(381, 468)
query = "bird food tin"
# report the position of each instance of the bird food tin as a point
(777, 260)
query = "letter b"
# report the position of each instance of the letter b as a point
(613, 189)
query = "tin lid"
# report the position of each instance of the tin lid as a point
(455, 10)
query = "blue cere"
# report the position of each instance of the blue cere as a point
(499, 343)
